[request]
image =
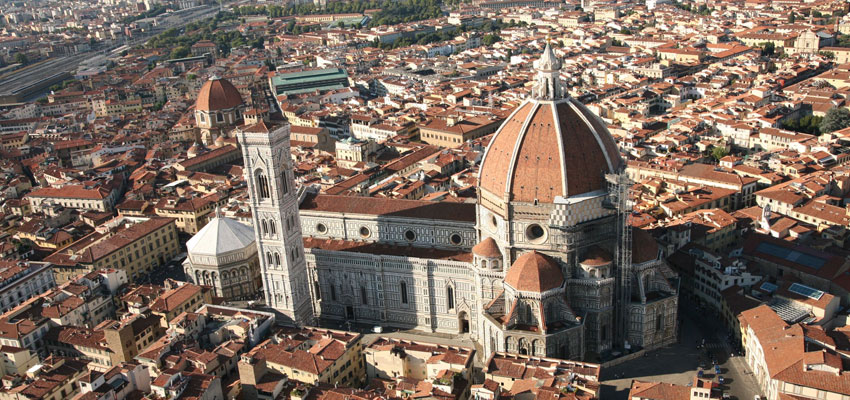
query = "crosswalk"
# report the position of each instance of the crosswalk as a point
(715, 346)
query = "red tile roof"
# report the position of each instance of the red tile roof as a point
(534, 272)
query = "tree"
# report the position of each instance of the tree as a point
(768, 48)
(21, 58)
(719, 152)
(836, 118)
(179, 52)
(489, 39)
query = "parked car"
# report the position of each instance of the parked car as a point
(720, 378)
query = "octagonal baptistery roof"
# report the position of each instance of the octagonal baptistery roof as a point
(550, 146)
(220, 236)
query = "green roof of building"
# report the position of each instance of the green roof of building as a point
(309, 76)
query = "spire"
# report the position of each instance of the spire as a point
(548, 85)
(548, 61)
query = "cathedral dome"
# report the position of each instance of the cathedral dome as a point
(487, 248)
(534, 272)
(644, 246)
(218, 94)
(219, 236)
(550, 146)
(596, 257)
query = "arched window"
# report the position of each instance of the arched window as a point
(262, 184)
(316, 289)
(659, 321)
(284, 183)
(265, 228)
(403, 285)
(363, 295)
(269, 257)
(219, 117)
(277, 259)
(450, 297)
(333, 292)
(272, 228)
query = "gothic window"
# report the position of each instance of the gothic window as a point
(659, 321)
(403, 292)
(363, 295)
(265, 228)
(269, 258)
(450, 297)
(284, 185)
(316, 289)
(604, 333)
(528, 316)
(262, 184)
(333, 292)
(272, 228)
(277, 259)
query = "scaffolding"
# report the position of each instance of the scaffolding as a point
(619, 191)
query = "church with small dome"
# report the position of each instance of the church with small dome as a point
(544, 263)
(218, 108)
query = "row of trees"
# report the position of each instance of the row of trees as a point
(391, 11)
(836, 118)
(181, 43)
(153, 12)
(701, 10)
(809, 124)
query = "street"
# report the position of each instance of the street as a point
(678, 363)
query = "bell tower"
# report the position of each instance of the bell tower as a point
(274, 210)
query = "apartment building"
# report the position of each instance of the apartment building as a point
(133, 245)
(455, 130)
(308, 355)
(388, 358)
(787, 359)
(20, 281)
(179, 297)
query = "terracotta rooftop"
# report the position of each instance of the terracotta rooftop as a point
(463, 212)
(218, 94)
(534, 272)
(547, 150)
(487, 248)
